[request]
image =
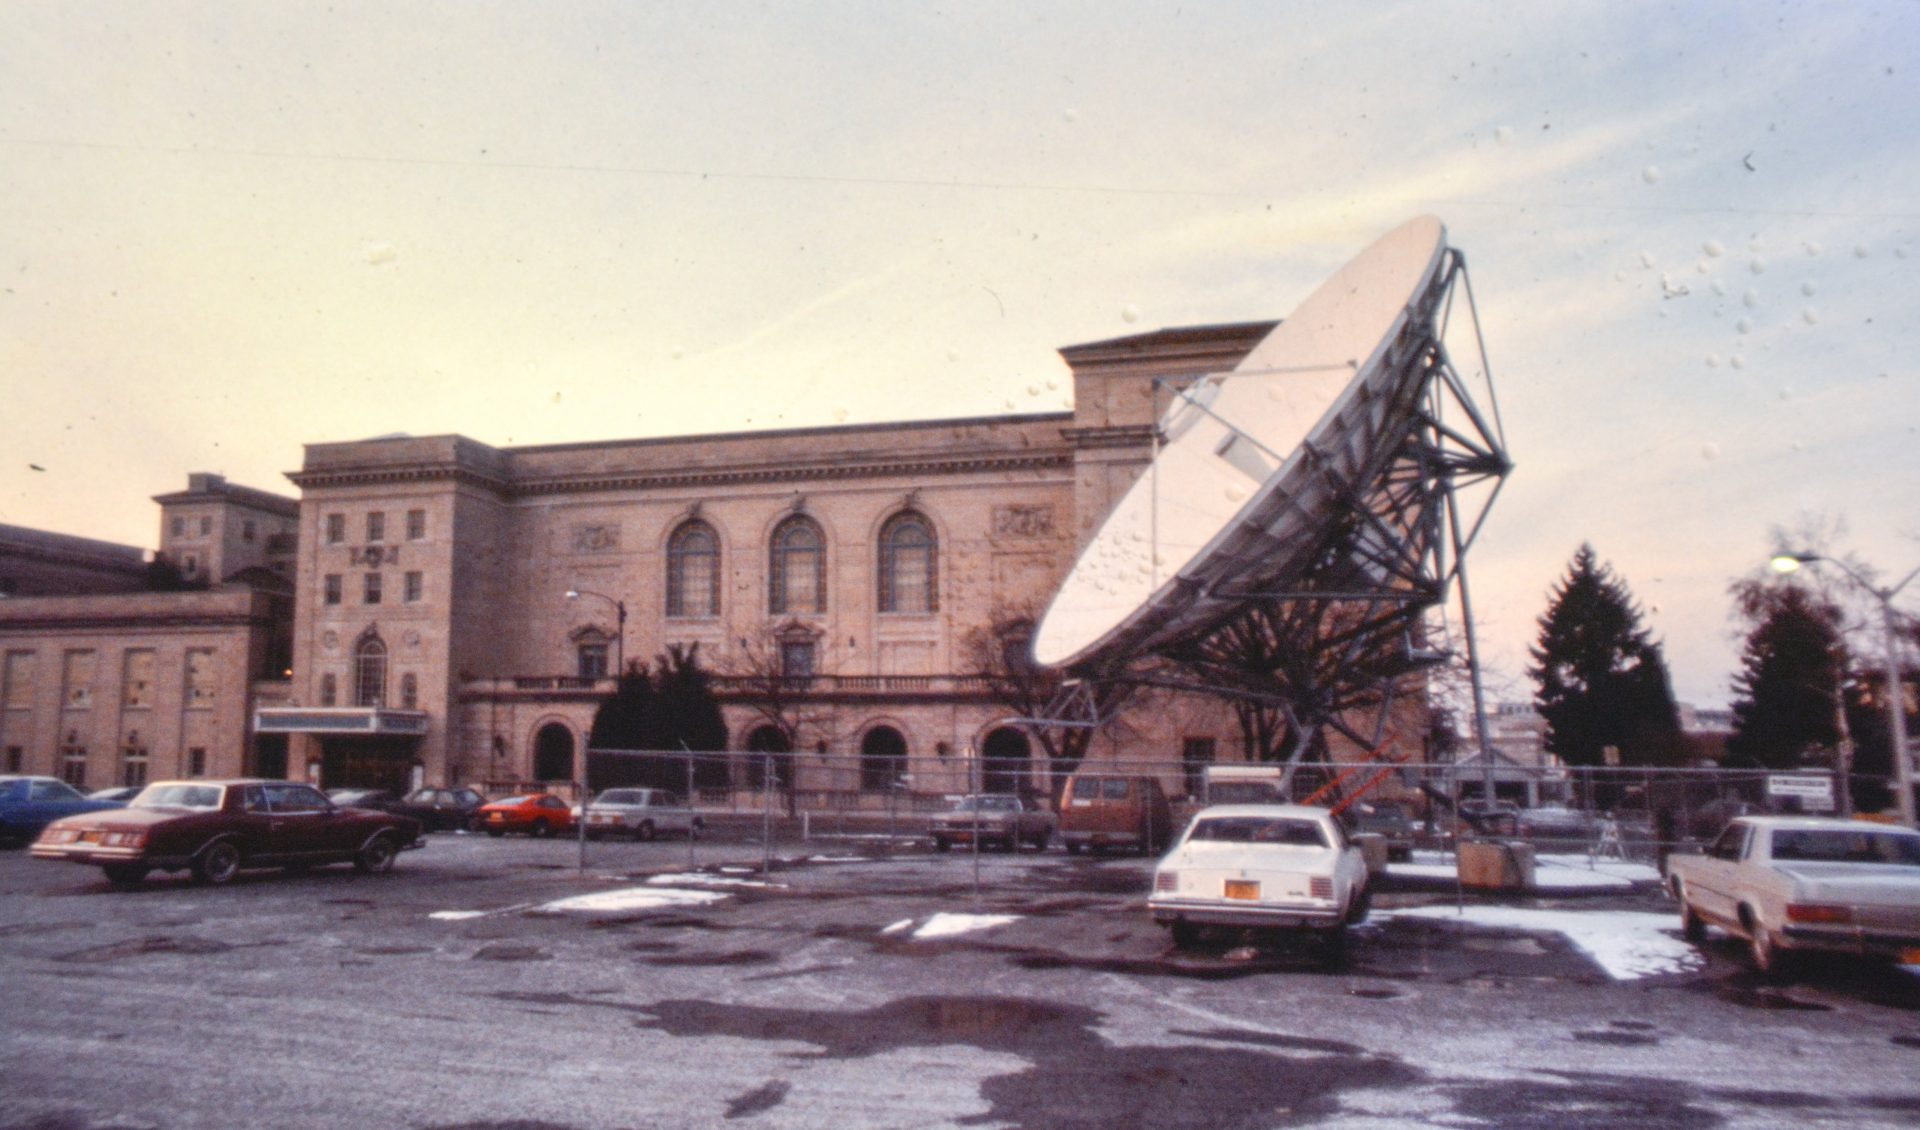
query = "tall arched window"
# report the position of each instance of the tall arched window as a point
(907, 565)
(693, 571)
(370, 672)
(798, 568)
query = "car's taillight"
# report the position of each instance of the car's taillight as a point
(1166, 880)
(1814, 912)
(1320, 887)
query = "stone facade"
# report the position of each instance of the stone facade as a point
(113, 686)
(43, 563)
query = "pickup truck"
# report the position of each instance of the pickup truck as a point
(641, 814)
(1791, 885)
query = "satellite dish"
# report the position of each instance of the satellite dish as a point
(1242, 489)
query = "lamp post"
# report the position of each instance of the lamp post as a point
(620, 629)
(1896, 683)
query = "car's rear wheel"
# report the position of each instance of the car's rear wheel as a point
(1185, 934)
(942, 844)
(124, 874)
(539, 830)
(1362, 904)
(471, 823)
(218, 863)
(644, 832)
(376, 858)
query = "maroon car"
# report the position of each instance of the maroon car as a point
(216, 828)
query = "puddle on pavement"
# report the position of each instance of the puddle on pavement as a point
(737, 957)
(511, 953)
(1905, 1041)
(139, 947)
(1583, 1101)
(1375, 994)
(1073, 1077)
(392, 951)
(1616, 1039)
(759, 1100)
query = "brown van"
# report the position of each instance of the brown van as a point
(1114, 810)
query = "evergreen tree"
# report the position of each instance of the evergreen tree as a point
(669, 709)
(1601, 679)
(1790, 676)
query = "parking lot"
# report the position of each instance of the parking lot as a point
(493, 983)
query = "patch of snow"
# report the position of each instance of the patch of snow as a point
(632, 898)
(708, 881)
(1627, 944)
(898, 926)
(458, 915)
(944, 925)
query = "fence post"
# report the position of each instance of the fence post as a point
(692, 794)
(766, 816)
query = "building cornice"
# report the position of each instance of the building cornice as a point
(948, 465)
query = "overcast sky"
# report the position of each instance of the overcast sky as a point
(230, 229)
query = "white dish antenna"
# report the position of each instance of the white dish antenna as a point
(1239, 492)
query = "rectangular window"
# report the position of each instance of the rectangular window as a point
(19, 679)
(73, 763)
(331, 588)
(796, 659)
(415, 586)
(137, 683)
(593, 661)
(78, 690)
(196, 762)
(178, 526)
(16, 757)
(416, 525)
(1195, 755)
(133, 765)
(246, 530)
(336, 528)
(206, 526)
(376, 527)
(201, 684)
(371, 593)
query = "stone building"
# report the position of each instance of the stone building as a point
(104, 683)
(437, 639)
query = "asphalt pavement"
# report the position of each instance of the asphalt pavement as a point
(867, 984)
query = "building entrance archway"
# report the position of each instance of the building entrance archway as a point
(553, 753)
(883, 759)
(1006, 761)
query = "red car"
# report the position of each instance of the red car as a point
(217, 828)
(536, 814)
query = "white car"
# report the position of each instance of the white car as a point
(1270, 866)
(1794, 884)
(641, 814)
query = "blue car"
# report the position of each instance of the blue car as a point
(28, 804)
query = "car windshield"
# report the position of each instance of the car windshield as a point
(1846, 846)
(206, 797)
(1259, 830)
(513, 800)
(422, 796)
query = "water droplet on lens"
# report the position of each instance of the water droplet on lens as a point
(1718, 287)
(1504, 135)
(1758, 266)
(1650, 174)
(1646, 259)
(1744, 325)
(1807, 289)
(1713, 360)
(1713, 248)
(1810, 316)
(1860, 251)
(1751, 300)
(1130, 313)
(1812, 247)
(1709, 451)
(1737, 361)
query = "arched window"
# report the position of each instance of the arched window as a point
(553, 753)
(883, 759)
(907, 565)
(370, 672)
(798, 568)
(693, 571)
(409, 692)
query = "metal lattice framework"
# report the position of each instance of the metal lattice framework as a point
(1309, 649)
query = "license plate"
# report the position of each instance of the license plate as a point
(1910, 956)
(1242, 889)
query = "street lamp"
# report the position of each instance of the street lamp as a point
(620, 631)
(1896, 683)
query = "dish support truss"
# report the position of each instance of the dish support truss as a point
(1311, 649)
